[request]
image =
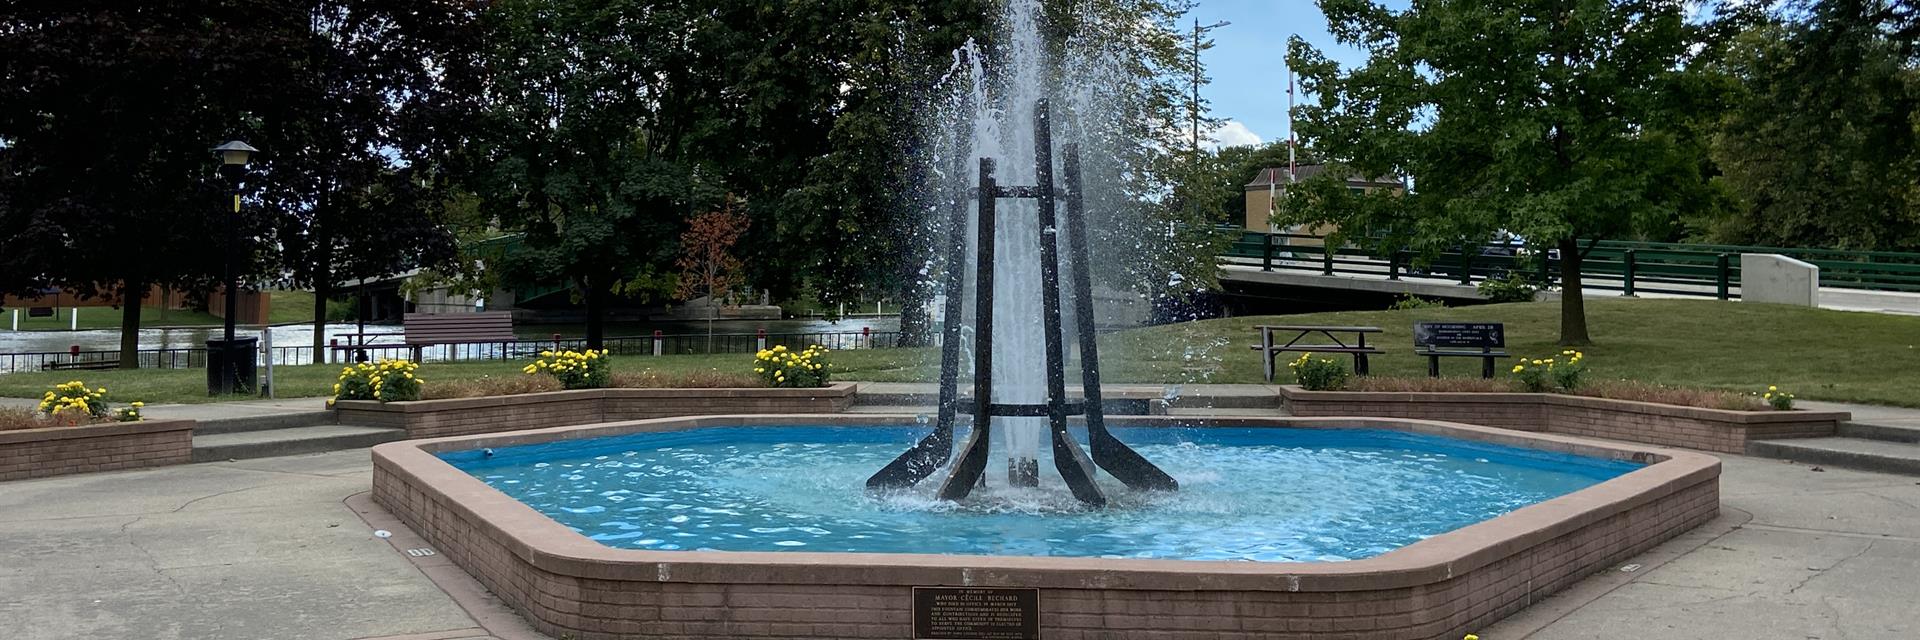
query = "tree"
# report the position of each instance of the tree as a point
(359, 128)
(579, 142)
(707, 264)
(1820, 147)
(107, 110)
(1552, 119)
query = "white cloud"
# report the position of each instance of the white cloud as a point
(1232, 133)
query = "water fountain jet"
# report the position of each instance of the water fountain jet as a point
(1074, 464)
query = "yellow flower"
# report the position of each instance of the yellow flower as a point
(1518, 368)
(1537, 362)
(137, 404)
(1772, 388)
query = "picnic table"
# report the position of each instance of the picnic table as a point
(1271, 347)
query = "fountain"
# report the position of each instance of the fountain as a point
(1023, 469)
(758, 526)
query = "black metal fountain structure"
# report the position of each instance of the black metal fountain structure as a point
(1075, 466)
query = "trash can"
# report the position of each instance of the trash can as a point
(231, 366)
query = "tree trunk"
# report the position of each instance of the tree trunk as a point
(132, 295)
(322, 290)
(596, 299)
(1573, 301)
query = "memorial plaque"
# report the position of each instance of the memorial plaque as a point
(969, 613)
(1473, 335)
(39, 312)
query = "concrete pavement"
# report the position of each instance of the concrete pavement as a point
(273, 548)
(1797, 554)
(254, 549)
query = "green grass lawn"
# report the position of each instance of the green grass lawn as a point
(1817, 354)
(108, 318)
(288, 307)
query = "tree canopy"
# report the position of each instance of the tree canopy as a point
(1553, 119)
(1821, 146)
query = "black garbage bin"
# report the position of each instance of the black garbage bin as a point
(231, 366)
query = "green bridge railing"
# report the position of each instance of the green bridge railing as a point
(1626, 266)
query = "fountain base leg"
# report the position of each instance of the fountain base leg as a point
(1023, 472)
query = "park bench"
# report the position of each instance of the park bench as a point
(1483, 340)
(421, 330)
(1270, 347)
(90, 365)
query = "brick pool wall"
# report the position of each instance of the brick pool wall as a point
(468, 416)
(37, 453)
(1715, 430)
(1440, 588)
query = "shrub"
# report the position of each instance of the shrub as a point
(74, 403)
(490, 386)
(1567, 373)
(384, 380)
(129, 413)
(1408, 302)
(1663, 394)
(1431, 385)
(1539, 375)
(590, 369)
(1318, 374)
(21, 418)
(1512, 287)
(688, 380)
(1779, 400)
(781, 367)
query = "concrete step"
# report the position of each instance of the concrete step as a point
(289, 441)
(287, 420)
(1851, 453)
(1883, 432)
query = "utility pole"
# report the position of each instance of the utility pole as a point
(1198, 33)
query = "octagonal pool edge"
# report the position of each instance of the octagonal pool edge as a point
(1438, 588)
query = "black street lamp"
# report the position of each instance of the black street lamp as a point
(230, 362)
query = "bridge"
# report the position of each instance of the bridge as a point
(1301, 269)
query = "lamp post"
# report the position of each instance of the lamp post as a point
(230, 363)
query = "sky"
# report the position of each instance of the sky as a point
(1247, 63)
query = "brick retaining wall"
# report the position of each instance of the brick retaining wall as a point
(467, 416)
(1436, 589)
(54, 451)
(1716, 430)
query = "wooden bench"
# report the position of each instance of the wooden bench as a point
(428, 329)
(91, 365)
(1483, 340)
(1270, 348)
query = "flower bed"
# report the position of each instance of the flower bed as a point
(106, 446)
(1721, 430)
(464, 416)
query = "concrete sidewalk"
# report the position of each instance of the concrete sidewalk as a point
(267, 549)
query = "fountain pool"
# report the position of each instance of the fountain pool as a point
(1450, 543)
(1321, 494)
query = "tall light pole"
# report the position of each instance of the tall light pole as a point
(223, 361)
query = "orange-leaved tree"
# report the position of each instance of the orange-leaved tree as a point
(707, 264)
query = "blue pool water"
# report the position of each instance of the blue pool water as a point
(1246, 493)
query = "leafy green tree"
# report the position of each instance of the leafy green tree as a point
(107, 110)
(579, 143)
(1552, 119)
(1822, 147)
(358, 130)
